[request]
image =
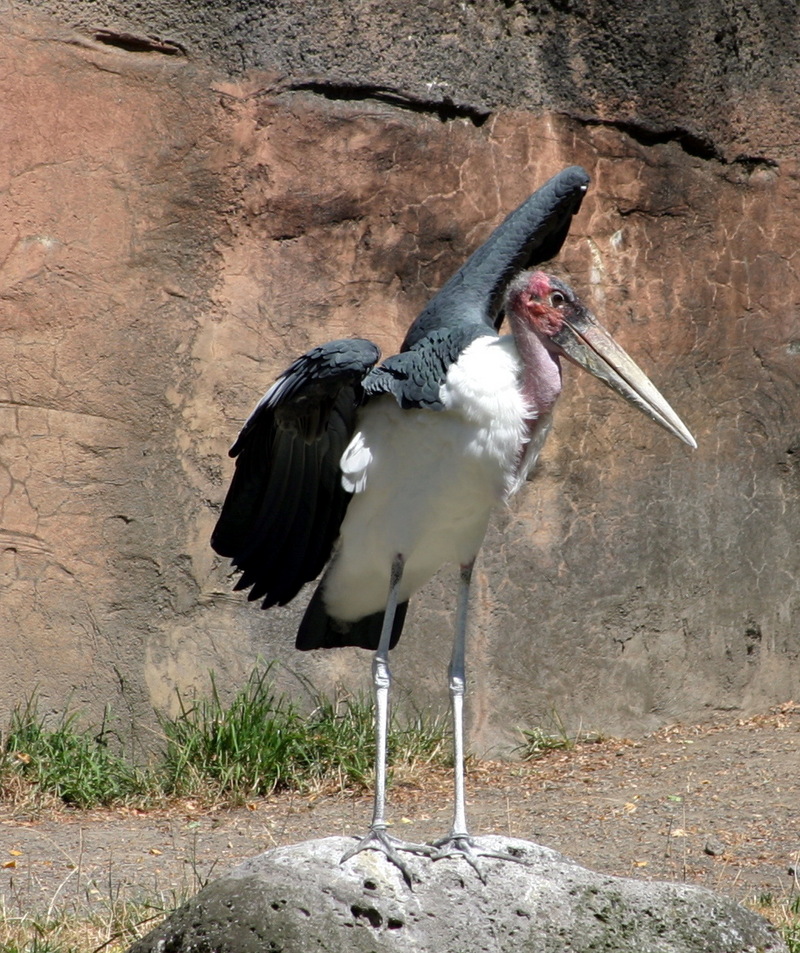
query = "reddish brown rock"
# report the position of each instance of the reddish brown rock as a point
(172, 236)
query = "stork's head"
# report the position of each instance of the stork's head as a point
(547, 307)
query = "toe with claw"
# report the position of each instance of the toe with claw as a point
(455, 845)
(378, 839)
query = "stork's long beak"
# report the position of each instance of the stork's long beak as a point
(587, 343)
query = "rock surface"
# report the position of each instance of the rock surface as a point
(718, 78)
(171, 237)
(301, 898)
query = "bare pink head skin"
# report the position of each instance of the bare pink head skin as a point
(541, 302)
(537, 306)
(548, 321)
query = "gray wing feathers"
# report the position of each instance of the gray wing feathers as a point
(285, 505)
(415, 376)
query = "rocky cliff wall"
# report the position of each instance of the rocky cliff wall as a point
(189, 200)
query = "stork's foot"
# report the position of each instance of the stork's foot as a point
(378, 839)
(462, 845)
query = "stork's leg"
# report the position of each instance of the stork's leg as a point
(382, 681)
(378, 838)
(457, 675)
(458, 841)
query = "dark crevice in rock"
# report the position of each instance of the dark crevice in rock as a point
(692, 143)
(624, 212)
(443, 109)
(753, 163)
(134, 43)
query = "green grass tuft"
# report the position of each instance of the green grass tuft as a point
(536, 742)
(259, 743)
(72, 764)
(784, 914)
(241, 751)
(112, 929)
(262, 743)
(791, 928)
(339, 746)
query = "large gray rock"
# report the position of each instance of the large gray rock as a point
(301, 898)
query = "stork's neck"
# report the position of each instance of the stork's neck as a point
(540, 369)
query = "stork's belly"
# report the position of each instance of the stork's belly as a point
(425, 500)
(428, 481)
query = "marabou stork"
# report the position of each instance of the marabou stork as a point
(382, 473)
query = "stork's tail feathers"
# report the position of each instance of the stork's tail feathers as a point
(318, 630)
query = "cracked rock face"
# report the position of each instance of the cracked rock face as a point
(172, 236)
(301, 898)
(719, 77)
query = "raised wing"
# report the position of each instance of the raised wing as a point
(470, 304)
(285, 504)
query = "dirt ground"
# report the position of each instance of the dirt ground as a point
(712, 805)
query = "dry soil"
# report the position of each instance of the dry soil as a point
(716, 805)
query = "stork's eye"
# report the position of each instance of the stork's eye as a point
(557, 299)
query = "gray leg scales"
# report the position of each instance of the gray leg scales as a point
(458, 842)
(377, 838)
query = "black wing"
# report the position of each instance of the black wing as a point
(285, 504)
(470, 304)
